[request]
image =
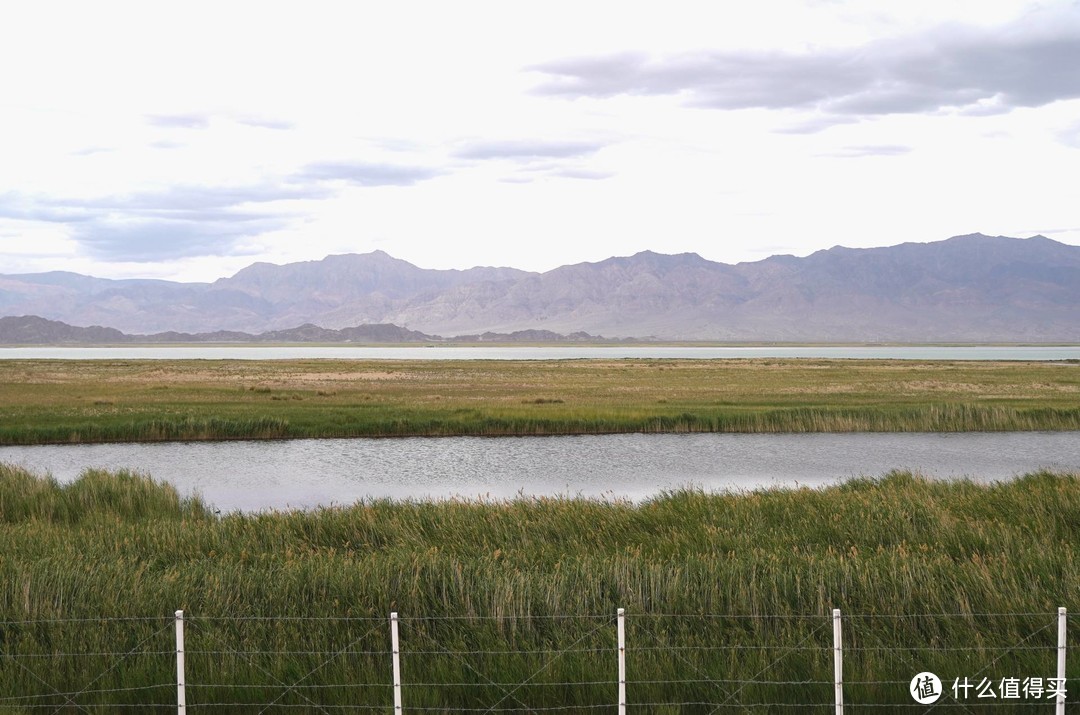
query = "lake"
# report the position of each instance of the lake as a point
(254, 475)
(294, 352)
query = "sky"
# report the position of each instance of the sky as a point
(186, 140)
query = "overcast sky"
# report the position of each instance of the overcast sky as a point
(186, 140)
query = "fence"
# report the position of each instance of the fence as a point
(617, 663)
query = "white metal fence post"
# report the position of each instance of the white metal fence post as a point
(622, 660)
(1060, 710)
(838, 662)
(181, 696)
(395, 650)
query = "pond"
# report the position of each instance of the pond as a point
(254, 475)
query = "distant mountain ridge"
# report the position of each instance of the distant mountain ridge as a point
(35, 330)
(971, 288)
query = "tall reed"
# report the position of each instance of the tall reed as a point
(946, 576)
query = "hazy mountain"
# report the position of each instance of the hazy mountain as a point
(970, 288)
(34, 330)
(338, 291)
(967, 288)
(123, 304)
(974, 288)
(344, 290)
(669, 296)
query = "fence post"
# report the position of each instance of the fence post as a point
(181, 696)
(395, 650)
(838, 662)
(1060, 709)
(622, 660)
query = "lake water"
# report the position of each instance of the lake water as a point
(252, 475)
(248, 352)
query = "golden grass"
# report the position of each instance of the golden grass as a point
(110, 400)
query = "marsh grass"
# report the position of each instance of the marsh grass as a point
(107, 401)
(717, 587)
(149, 430)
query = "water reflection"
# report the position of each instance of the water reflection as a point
(306, 473)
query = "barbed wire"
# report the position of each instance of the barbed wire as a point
(946, 649)
(513, 696)
(508, 651)
(91, 619)
(140, 706)
(852, 616)
(190, 618)
(13, 699)
(267, 686)
(412, 708)
(541, 683)
(1010, 703)
(717, 706)
(509, 617)
(737, 647)
(86, 654)
(692, 681)
(245, 653)
(542, 651)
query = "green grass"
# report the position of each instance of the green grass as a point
(752, 578)
(105, 401)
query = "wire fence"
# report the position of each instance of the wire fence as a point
(602, 663)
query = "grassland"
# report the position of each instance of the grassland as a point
(98, 401)
(956, 578)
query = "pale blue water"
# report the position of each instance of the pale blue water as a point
(253, 475)
(244, 352)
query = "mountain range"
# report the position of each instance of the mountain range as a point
(967, 288)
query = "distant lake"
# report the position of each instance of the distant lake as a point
(252, 475)
(300, 352)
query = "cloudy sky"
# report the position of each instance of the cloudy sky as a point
(186, 140)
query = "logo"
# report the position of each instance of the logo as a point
(925, 688)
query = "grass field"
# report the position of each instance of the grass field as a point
(93, 401)
(720, 590)
(957, 578)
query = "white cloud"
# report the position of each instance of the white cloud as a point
(977, 71)
(854, 152)
(526, 149)
(225, 133)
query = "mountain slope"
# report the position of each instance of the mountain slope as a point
(336, 292)
(967, 288)
(32, 330)
(644, 294)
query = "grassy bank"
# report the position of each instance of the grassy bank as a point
(957, 578)
(101, 401)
